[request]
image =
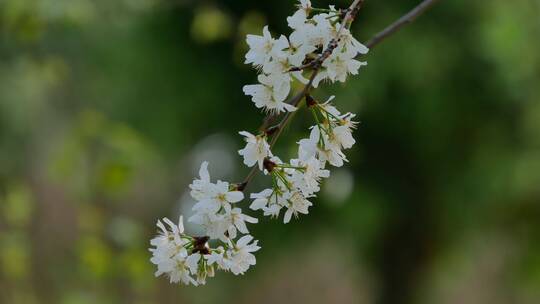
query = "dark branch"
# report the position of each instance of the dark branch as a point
(401, 22)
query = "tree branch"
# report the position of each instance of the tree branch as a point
(401, 22)
(347, 20)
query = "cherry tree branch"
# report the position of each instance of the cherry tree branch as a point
(351, 12)
(401, 22)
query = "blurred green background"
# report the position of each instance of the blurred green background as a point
(108, 107)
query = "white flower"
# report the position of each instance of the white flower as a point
(260, 48)
(166, 238)
(216, 256)
(329, 108)
(215, 213)
(240, 257)
(296, 53)
(322, 75)
(256, 150)
(279, 46)
(308, 179)
(272, 210)
(278, 69)
(192, 262)
(180, 271)
(285, 57)
(201, 188)
(197, 267)
(237, 220)
(297, 20)
(260, 199)
(302, 33)
(343, 132)
(270, 94)
(349, 46)
(305, 5)
(297, 204)
(308, 147)
(298, 50)
(319, 145)
(213, 209)
(339, 66)
(270, 201)
(219, 196)
(321, 33)
(332, 154)
(215, 224)
(340, 126)
(162, 257)
(169, 255)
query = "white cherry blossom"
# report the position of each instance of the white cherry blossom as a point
(217, 256)
(192, 262)
(256, 150)
(260, 199)
(201, 188)
(240, 254)
(320, 77)
(332, 154)
(215, 224)
(319, 145)
(270, 94)
(321, 33)
(339, 66)
(219, 196)
(270, 201)
(197, 267)
(237, 220)
(180, 271)
(308, 179)
(273, 210)
(278, 68)
(170, 255)
(297, 204)
(308, 147)
(329, 108)
(260, 48)
(343, 132)
(297, 20)
(349, 46)
(298, 50)
(305, 5)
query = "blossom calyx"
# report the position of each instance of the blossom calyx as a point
(269, 165)
(310, 101)
(200, 244)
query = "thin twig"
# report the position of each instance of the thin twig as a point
(281, 126)
(278, 128)
(347, 20)
(401, 22)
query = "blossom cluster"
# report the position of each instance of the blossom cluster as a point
(293, 183)
(319, 47)
(190, 260)
(278, 59)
